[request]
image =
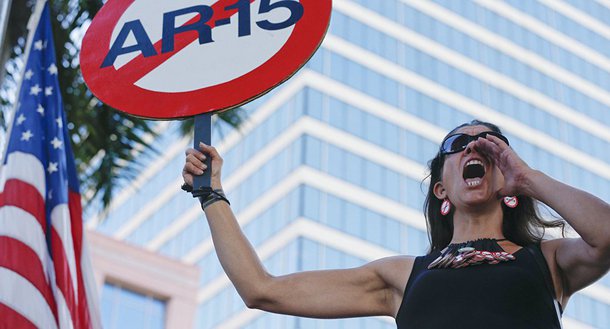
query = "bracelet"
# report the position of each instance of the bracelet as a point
(215, 195)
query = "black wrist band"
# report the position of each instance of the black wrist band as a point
(186, 187)
(215, 195)
(209, 198)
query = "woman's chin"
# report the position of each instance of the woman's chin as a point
(482, 198)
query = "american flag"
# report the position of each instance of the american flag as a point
(45, 276)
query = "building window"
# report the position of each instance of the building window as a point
(123, 308)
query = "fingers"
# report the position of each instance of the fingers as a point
(210, 150)
(205, 149)
(500, 143)
(194, 162)
(196, 154)
(488, 147)
(193, 169)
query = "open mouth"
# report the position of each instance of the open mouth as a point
(474, 170)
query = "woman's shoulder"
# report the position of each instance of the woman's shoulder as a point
(394, 270)
(394, 264)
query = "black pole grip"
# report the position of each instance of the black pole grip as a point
(203, 133)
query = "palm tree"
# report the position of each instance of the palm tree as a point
(103, 138)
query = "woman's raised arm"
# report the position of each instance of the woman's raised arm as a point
(373, 289)
(580, 261)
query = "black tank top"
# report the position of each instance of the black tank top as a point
(511, 295)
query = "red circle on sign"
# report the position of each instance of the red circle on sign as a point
(117, 88)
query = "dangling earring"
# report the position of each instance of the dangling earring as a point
(445, 207)
(511, 201)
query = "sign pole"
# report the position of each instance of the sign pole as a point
(203, 133)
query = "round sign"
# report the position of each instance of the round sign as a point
(179, 58)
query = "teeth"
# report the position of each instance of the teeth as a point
(474, 161)
(473, 182)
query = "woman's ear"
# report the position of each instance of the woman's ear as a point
(439, 191)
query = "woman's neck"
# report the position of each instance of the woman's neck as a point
(476, 225)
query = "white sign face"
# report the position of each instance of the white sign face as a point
(177, 58)
(226, 45)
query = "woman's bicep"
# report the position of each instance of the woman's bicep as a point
(579, 263)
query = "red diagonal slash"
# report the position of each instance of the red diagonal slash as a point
(140, 66)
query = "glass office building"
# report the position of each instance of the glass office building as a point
(329, 170)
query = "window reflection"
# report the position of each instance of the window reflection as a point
(122, 308)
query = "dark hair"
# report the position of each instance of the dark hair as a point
(521, 225)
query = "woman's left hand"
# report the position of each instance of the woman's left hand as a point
(514, 169)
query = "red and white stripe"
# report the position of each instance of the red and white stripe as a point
(39, 289)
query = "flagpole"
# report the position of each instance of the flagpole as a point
(5, 12)
(31, 27)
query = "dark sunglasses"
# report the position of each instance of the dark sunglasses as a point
(458, 142)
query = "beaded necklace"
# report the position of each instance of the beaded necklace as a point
(474, 252)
